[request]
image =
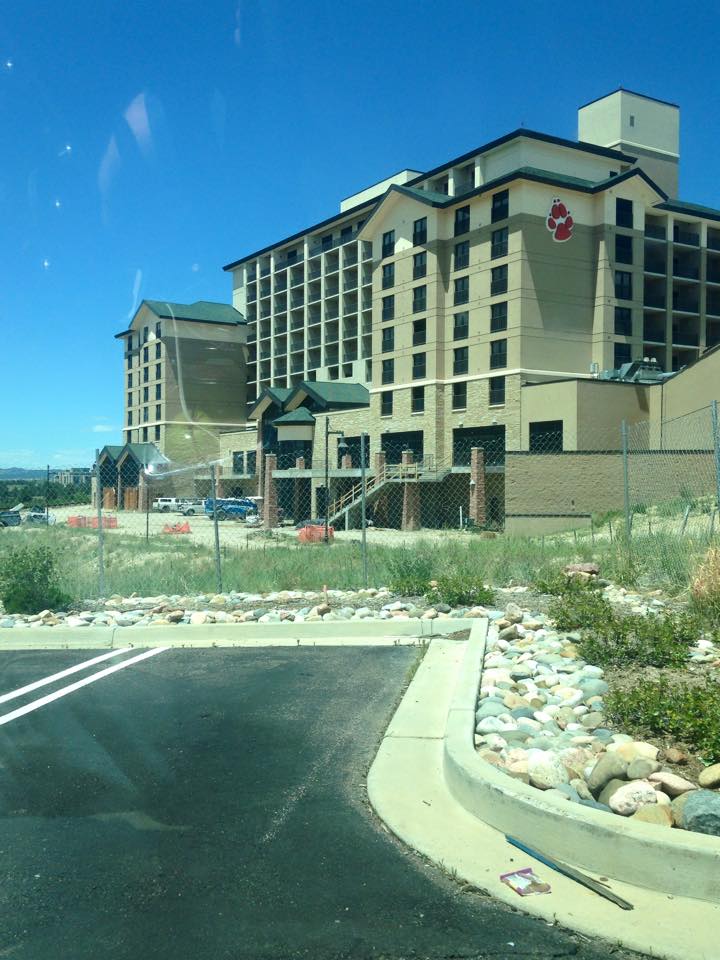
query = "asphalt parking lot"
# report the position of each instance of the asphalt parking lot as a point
(211, 804)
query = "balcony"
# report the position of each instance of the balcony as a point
(713, 307)
(713, 273)
(252, 274)
(713, 241)
(686, 237)
(655, 232)
(653, 332)
(265, 270)
(685, 338)
(655, 301)
(655, 266)
(686, 271)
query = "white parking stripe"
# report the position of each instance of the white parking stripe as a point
(63, 673)
(36, 704)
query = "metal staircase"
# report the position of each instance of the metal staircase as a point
(423, 471)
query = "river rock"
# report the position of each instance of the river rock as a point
(631, 796)
(546, 770)
(609, 789)
(677, 806)
(710, 777)
(654, 813)
(671, 783)
(641, 769)
(608, 767)
(701, 812)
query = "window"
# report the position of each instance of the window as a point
(145, 335)
(250, 461)
(388, 339)
(459, 395)
(146, 391)
(386, 404)
(129, 343)
(498, 280)
(157, 434)
(145, 434)
(146, 354)
(499, 243)
(419, 332)
(623, 354)
(419, 265)
(158, 391)
(388, 308)
(388, 371)
(623, 285)
(129, 418)
(129, 361)
(238, 461)
(497, 391)
(388, 275)
(129, 380)
(462, 290)
(623, 321)
(500, 206)
(420, 231)
(158, 351)
(498, 317)
(158, 328)
(498, 354)
(145, 374)
(419, 299)
(623, 248)
(388, 243)
(345, 235)
(546, 436)
(623, 212)
(462, 220)
(145, 415)
(129, 399)
(158, 411)
(158, 370)
(462, 255)
(418, 399)
(461, 325)
(460, 360)
(419, 366)
(326, 241)
(128, 436)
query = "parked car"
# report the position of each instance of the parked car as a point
(230, 508)
(10, 518)
(166, 504)
(188, 508)
(38, 517)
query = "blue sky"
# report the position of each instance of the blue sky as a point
(144, 145)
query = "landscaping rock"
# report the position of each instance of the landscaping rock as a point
(677, 806)
(710, 777)
(701, 812)
(671, 783)
(609, 789)
(641, 769)
(631, 796)
(675, 755)
(608, 767)
(546, 770)
(654, 813)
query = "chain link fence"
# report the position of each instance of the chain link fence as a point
(257, 518)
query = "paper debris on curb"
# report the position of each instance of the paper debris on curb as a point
(525, 882)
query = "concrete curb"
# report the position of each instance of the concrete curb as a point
(325, 633)
(671, 862)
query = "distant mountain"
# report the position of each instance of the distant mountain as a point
(20, 473)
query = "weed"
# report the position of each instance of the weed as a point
(29, 580)
(651, 641)
(689, 713)
(460, 590)
(705, 586)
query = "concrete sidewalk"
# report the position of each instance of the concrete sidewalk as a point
(407, 789)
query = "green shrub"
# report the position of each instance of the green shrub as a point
(679, 711)
(458, 589)
(651, 641)
(409, 571)
(29, 580)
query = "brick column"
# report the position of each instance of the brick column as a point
(259, 467)
(218, 481)
(411, 497)
(270, 504)
(300, 463)
(142, 492)
(477, 485)
(379, 461)
(346, 462)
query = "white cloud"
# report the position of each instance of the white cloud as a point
(104, 428)
(136, 117)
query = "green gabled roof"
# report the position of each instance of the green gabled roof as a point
(202, 311)
(299, 416)
(144, 453)
(331, 393)
(427, 196)
(112, 451)
(696, 209)
(276, 395)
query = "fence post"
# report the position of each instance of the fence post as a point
(101, 551)
(716, 447)
(362, 509)
(626, 481)
(218, 564)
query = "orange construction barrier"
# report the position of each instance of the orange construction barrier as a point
(177, 527)
(315, 534)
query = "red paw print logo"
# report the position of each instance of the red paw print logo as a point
(559, 221)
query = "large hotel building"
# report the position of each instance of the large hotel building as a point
(422, 310)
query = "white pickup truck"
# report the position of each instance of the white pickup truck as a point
(166, 504)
